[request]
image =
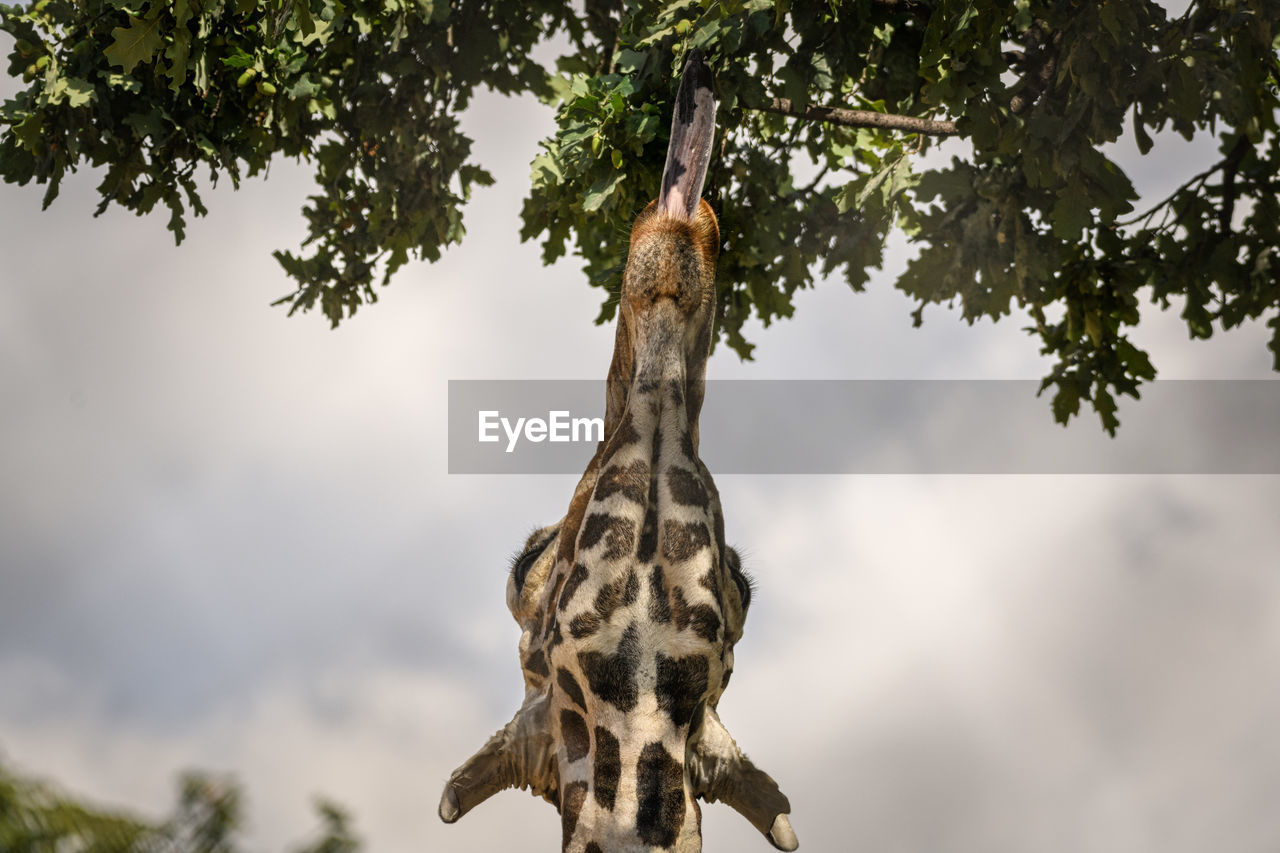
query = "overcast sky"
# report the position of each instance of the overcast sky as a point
(228, 541)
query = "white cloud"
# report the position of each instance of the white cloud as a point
(1053, 663)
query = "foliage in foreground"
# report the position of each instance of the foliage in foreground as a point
(826, 109)
(36, 818)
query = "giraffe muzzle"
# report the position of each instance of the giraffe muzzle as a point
(672, 256)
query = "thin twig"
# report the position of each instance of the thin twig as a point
(1197, 181)
(801, 192)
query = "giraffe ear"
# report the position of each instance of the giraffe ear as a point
(520, 755)
(693, 128)
(721, 772)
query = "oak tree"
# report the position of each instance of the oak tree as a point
(826, 110)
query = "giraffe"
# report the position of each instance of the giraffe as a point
(630, 606)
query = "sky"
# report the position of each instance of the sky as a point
(229, 541)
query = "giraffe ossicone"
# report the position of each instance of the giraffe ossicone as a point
(630, 606)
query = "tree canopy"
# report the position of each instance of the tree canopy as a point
(826, 109)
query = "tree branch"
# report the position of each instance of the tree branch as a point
(1041, 62)
(1227, 165)
(858, 118)
(808, 188)
(1229, 168)
(603, 23)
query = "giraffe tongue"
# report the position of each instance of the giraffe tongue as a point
(693, 127)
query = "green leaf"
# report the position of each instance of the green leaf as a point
(307, 25)
(873, 185)
(1066, 403)
(28, 132)
(79, 92)
(178, 54)
(135, 43)
(146, 124)
(239, 59)
(1110, 20)
(1071, 214)
(116, 80)
(304, 87)
(181, 10)
(1136, 360)
(1140, 135)
(602, 189)
(1105, 405)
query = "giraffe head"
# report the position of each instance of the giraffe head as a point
(630, 606)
